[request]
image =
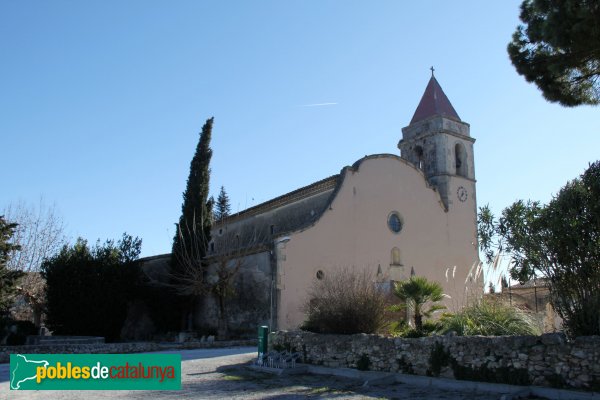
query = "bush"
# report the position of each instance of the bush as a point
(88, 289)
(363, 363)
(402, 329)
(23, 329)
(345, 301)
(489, 318)
(16, 332)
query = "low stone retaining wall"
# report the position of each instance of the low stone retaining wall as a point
(60, 340)
(114, 348)
(547, 360)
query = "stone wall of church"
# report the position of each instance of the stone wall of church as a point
(255, 299)
(272, 222)
(434, 145)
(249, 304)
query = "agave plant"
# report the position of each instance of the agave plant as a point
(416, 292)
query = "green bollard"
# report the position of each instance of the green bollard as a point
(263, 340)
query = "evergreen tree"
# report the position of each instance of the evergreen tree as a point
(558, 49)
(193, 230)
(222, 206)
(195, 215)
(8, 278)
(89, 288)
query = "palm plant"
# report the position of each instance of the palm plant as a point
(416, 292)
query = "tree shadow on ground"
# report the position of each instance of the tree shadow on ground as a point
(298, 386)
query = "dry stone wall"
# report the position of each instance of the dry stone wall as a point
(547, 360)
(114, 348)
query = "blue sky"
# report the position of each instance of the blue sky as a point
(102, 101)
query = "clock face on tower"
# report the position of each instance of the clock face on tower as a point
(462, 194)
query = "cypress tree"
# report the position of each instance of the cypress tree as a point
(192, 233)
(195, 214)
(222, 207)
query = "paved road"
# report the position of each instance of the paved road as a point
(221, 374)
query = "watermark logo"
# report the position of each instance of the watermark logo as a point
(95, 371)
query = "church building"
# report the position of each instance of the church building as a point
(412, 213)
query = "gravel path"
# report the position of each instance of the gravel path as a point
(221, 374)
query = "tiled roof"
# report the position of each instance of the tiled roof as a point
(434, 102)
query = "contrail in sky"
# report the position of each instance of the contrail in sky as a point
(318, 104)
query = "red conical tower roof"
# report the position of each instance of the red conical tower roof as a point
(434, 102)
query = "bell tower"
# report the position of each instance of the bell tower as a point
(437, 142)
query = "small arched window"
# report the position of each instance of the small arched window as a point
(419, 157)
(396, 256)
(460, 159)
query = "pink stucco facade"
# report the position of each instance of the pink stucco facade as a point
(353, 232)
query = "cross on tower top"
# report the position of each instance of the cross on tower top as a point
(432, 69)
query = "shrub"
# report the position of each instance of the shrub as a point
(19, 333)
(402, 329)
(88, 289)
(345, 301)
(15, 332)
(363, 363)
(489, 318)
